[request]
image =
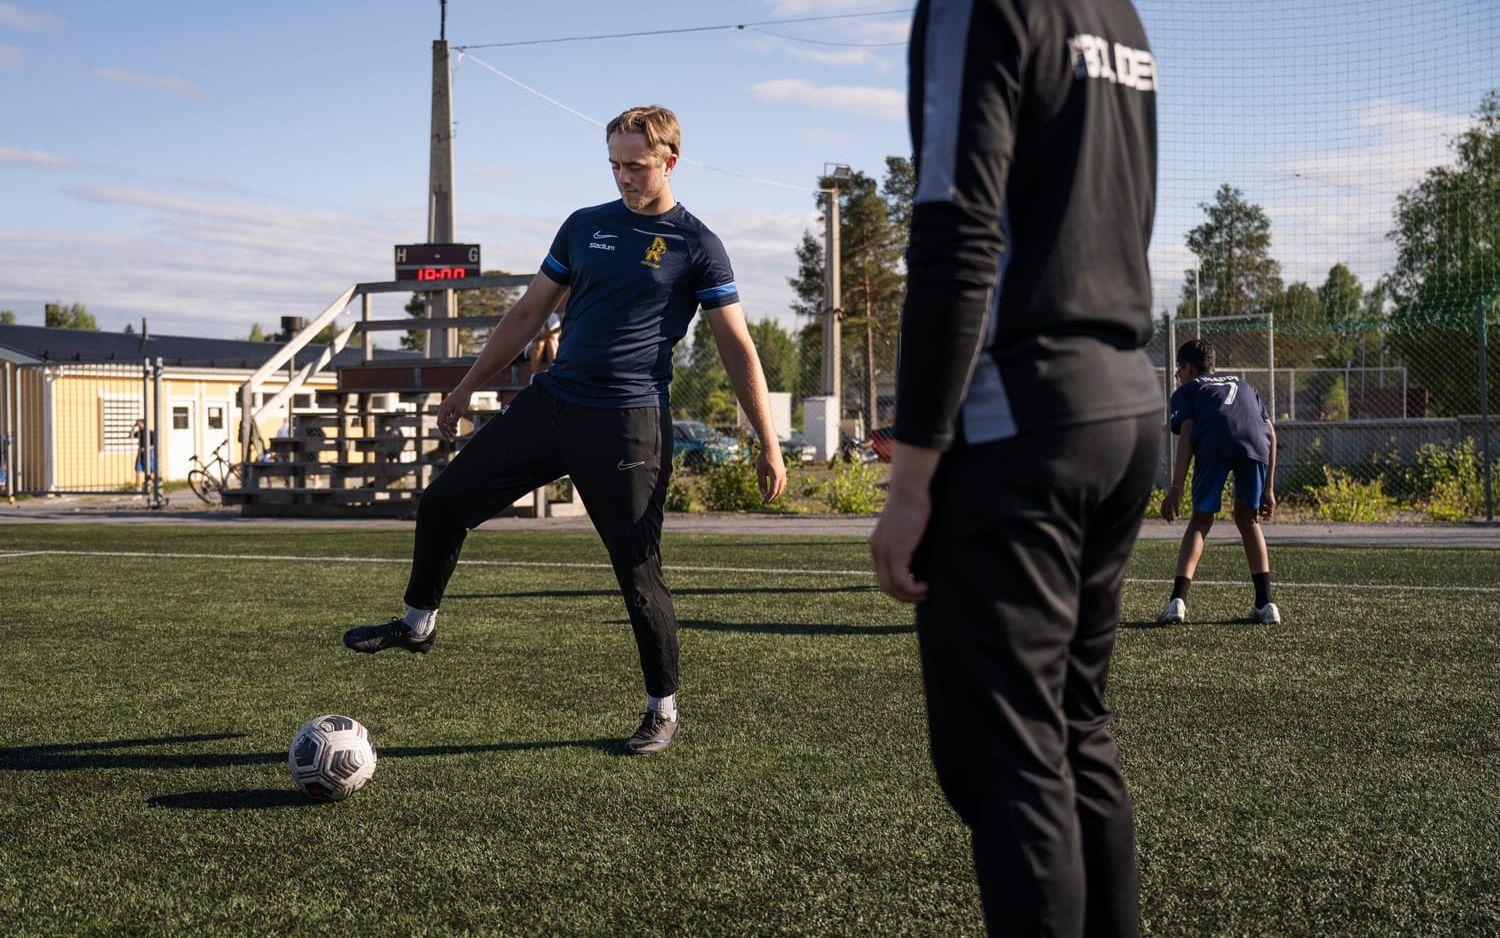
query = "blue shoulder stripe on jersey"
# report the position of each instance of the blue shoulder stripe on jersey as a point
(552, 264)
(715, 292)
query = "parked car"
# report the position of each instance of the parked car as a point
(797, 449)
(699, 445)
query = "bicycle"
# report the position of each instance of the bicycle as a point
(208, 479)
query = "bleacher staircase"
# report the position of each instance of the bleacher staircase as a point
(369, 448)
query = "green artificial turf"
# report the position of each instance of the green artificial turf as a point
(1334, 775)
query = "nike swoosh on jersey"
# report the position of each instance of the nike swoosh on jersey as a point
(622, 465)
(600, 236)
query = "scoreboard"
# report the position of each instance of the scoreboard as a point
(437, 261)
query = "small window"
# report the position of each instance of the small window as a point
(216, 418)
(303, 400)
(180, 418)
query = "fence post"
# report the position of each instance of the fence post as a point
(154, 459)
(1271, 361)
(8, 432)
(1484, 412)
(1170, 369)
(144, 451)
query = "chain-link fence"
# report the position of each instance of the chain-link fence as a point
(1401, 414)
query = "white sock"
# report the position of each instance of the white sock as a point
(420, 622)
(666, 705)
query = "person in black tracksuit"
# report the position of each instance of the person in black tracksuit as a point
(635, 271)
(1027, 426)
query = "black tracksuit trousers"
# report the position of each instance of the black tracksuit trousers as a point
(620, 461)
(1025, 556)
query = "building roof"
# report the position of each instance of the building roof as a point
(83, 346)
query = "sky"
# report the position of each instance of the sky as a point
(208, 166)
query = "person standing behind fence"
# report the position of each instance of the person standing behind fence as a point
(145, 456)
(1225, 430)
(1027, 430)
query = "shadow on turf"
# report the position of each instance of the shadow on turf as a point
(687, 591)
(234, 800)
(786, 628)
(66, 757)
(1152, 624)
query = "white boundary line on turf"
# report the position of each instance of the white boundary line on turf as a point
(783, 571)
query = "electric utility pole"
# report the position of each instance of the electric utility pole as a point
(440, 189)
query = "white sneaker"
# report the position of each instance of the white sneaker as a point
(1266, 615)
(1174, 613)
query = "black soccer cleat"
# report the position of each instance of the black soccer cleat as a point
(655, 734)
(368, 639)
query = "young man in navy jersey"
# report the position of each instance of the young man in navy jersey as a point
(1225, 430)
(635, 271)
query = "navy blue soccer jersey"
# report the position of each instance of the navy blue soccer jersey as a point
(1229, 421)
(635, 283)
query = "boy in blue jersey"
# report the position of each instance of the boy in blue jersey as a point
(634, 271)
(1226, 430)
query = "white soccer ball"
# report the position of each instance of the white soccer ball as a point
(332, 757)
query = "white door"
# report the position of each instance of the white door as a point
(182, 441)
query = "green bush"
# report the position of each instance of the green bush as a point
(1342, 497)
(854, 489)
(1448, 479)
(731, 486)
(1454, 500)
(680, 489)
(1297, 482)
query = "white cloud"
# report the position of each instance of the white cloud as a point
(35, 158)
(824, 135)
(896, 29)
(12, 56)
(1392, 147)
(883, 103)
(1339, 203)
(13, 17)
(212, 267)
(173, 86)
(865, 57)
(1328, 202)
(762, 246)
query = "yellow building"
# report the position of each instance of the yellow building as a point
(70, 399)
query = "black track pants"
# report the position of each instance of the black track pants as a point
(1025, 556)
(620, 461)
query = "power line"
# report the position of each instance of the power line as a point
(686, 29)
(598, 123)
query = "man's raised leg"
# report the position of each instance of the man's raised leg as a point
(511, 455)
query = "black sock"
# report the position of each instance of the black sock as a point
(1180, 587)
(1262, 588)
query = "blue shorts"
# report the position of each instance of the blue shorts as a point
(1208, 483)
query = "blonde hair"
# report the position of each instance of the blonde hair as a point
(657, 123)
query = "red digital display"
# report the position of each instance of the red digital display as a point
(437, 261)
